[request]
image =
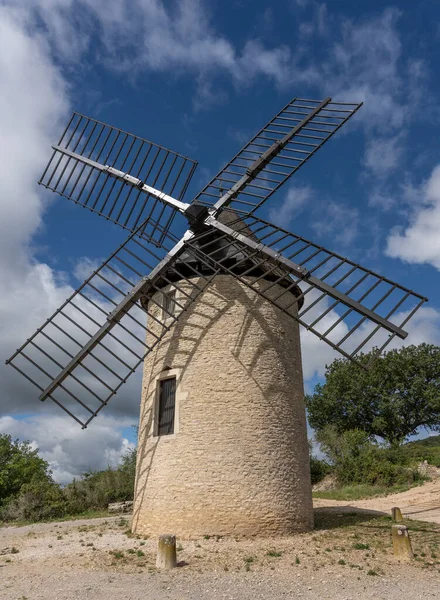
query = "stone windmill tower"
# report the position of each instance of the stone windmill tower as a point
(213, 316)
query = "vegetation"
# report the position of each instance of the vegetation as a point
(398, 395)
(361, 491)
(20, 466)
(362, 419)
(356, 458)
(28, 492)
(427, 449)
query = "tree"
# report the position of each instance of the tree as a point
(399, 394)
(19, 465)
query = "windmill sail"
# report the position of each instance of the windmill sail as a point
(90, 346)
(346, 305)
(114, 199)
(272, 156)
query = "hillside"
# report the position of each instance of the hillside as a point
(426, 449)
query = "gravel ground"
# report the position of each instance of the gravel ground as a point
(421, 502)
(348, 556)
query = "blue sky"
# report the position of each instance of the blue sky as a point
(201, 78)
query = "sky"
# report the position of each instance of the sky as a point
(201, 77)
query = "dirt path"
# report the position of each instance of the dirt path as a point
(348, 556)
(422, 502)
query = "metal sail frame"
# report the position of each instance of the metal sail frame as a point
(108, 311)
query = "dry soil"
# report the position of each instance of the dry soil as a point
(348, 556)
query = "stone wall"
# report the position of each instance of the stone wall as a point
(238, 460)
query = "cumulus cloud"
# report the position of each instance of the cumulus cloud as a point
(419, 242)
(339, 221)
(295, 200)
(28, 121)
(70, 451)
(31, 290)
(423, 327)
(384, 155)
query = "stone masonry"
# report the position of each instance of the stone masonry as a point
(238, 461)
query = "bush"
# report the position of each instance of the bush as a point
(37, 501)
(19, 465)
(426, 449)
(97, 490)
(40, 498)
(356, 458)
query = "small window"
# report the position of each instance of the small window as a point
(166, 406)
(168, 304)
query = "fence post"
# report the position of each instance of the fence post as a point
(396, 514)
(166, 552)
(401, 543)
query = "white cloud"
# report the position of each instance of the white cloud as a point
(337, 220)
(368, 65)
(384, 155)
(176, 37)
(364, 66)
(316, 354)
(85, 266)
(419, 242)
(69, 450)
(292, 205)
(33, 102)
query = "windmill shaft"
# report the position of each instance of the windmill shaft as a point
(126, 178)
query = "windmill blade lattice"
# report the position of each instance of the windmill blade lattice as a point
(84, 353)
(344, 304)
(90, 346)
(273, 155)
(114, 199)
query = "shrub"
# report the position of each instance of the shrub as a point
(39, 498)
(19, 465)
(37, 501)
(357, 458)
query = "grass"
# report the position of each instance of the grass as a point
(88, 514)
(360, 546)
(361, 491)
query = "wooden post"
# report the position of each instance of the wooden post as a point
(401, 543)
(396, 514)
(166, 552)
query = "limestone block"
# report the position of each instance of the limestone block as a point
(120, 507)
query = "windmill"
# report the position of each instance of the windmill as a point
(213, 316)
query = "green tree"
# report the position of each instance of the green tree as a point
(19, 465)
(399, 394)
